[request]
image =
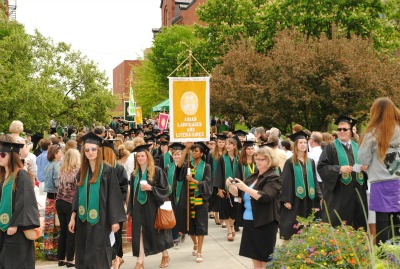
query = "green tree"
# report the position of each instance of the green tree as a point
(305, 80)
(41, 80)
(170, 48)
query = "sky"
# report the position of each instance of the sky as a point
(107, 32)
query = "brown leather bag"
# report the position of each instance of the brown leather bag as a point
(165, 219)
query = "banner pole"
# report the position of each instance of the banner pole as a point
(187, 190)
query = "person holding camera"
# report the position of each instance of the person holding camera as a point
(259, 207)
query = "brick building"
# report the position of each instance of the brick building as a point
(121, 82)
(179, 12)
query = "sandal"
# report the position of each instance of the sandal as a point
(194, 252)
(223, 225)
(164, 261)
(199, 258)
(230, 237)
(139, 266)
(233, 232)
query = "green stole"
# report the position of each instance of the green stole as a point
(347, 178)
(91, 209)
(167, 159)
(299, 180)
(229, 172)
(171, 173)
(199, 174)
(6, 204)
(142, 195)
(248, 170)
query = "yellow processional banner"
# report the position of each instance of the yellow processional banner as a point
(189, 99)
(138, 118)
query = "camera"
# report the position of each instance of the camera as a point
(233, 180)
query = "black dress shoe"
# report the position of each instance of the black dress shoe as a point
(70, 265)
(62, 263)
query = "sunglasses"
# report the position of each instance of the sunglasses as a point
(90, 149)
(343, 129)
(3, 155)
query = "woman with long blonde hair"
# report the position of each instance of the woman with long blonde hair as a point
(97, 208)
(380, 151)
(66, 191)
(149, 189)
(300, 189)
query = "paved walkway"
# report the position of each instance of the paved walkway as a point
(217, 253)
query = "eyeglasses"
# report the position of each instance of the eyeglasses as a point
(343, 129)
(3, 155)
(259, 159)
(90, 149)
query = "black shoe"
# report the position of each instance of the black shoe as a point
(237, 229)
(51, 258)
(70, 264)
(62, 263)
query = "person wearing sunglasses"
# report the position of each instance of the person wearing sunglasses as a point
(345, 180)
(97, 208)
(18, 208)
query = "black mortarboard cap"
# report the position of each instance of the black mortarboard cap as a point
(212, 138)
(125, 123)
(10, 147)
(239, 133)
(141, 148)
(156, 131)
(92, 138)
(270, 145)
(165, 136)
(164, 143)
(248, 143)
(150, 138)
(126, 133)
(203, 147)
(298, 135)
(177, 146)
(344, 118)
(137, 131)
(221, 137)
(109, 143)
(149, 134)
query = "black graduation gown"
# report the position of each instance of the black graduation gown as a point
(300, 207)
(338, 196)
(161, 161)
(93, 249)
(205, 188)
(228, 207)
(16, 251)
(144, 216)
(213, 201)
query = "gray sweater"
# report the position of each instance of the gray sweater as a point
(368, 155)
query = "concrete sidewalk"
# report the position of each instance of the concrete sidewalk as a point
(217, 253)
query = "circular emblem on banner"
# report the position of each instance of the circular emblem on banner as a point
(345, 176)
(189, 103)
(312, 191)
(81, 210)
(93, 214)
(4, 218)
(360, 175)
(163, 122)
(300, 190)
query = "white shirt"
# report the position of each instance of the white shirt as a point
(289, 154)
(314, 154)
(129, 165)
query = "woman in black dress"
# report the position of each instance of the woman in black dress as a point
(18, 208)
(259, 207)
(300, 189)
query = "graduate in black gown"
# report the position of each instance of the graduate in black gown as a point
(226, 168)
(122, 177)
(341, 183)
(18, 208)
(97, 207)
(149, 189)
(300, 189)
(200, 190)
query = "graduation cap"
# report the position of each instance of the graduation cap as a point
(299, 135)
(212, 138)
(149, 139)
(126, 133)
(109, 143)
(203, 147)
(10, 147)
(92, 138)
(149, 134)
(270, 145)
(239, 133)
(248, 144)
(137, 131)
(177, 146)
(221, 137)
(141, 148)
(156, 131)
(344, 118)
(164, 143)
(125, 123)
(165, 136)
